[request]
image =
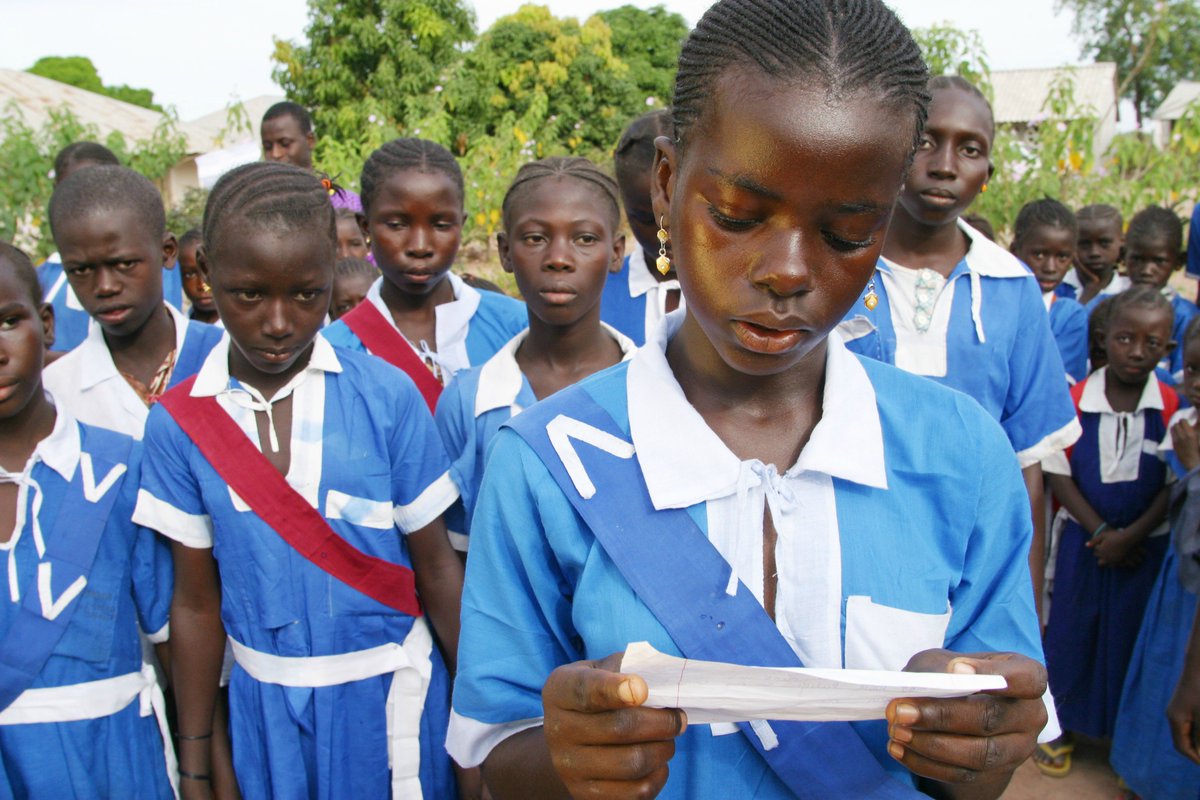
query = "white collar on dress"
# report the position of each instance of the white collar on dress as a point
(97, 362)
(640, 279)
(213, 377)
(984, 257)
(500, 379)
(60, 450)
(452, 318)
(1095, 401)
(684, 462)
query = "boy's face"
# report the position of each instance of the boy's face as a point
(1136, 340)
(1150, 261)
(282, 140)
(114, 262)
(1099, 244)
(194, 285)
(1048, 251)
(1191, 371)
(351, 241)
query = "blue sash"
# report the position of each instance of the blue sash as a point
(817, 761)
(71, 546)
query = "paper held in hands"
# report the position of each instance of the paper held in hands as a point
(710, 691)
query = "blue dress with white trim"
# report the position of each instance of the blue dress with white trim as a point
(1097, 611)
(947, 568)
(366, 454)
(999, 347)
(119, 755)
(1069, 324)
(1143, 751)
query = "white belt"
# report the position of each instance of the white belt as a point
(96, 699)
(411, 669)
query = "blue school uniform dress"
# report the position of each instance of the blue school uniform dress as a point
(1072, 288)
(365, 453)
(1098, 610)
(91, 387)
(1069, 324)
(92, 723)
(1193, 245)
(1143, 752)
(984, 331)
(949, 567)
(469, 414)
(71, 321)
(1184, 310)
(634, 301)
(470, 329)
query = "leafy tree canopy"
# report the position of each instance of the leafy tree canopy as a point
(648, 41)
(1154, 43)
(79, 71)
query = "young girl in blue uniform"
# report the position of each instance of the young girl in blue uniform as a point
(1100, 247)
(109, 225)
(1044, 239)
(283, 462)
(1142, 751)
(561, 239)
(80, 717)
(700, 497)
(949, 304)
(1154, 250)
(1112, 487)
(636, 298)
(412, 196)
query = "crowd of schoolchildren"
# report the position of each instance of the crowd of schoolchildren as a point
(243, 466)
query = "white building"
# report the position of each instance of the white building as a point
(1020, 97)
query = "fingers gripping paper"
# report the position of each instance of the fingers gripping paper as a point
(713, 692)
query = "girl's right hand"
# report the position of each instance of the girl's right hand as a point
(1187, 444)
(601, 742)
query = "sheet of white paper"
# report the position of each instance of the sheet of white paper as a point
(710, 691)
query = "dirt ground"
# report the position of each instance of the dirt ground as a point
(1091, 778)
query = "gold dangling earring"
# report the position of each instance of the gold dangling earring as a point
(984, 189)
(872, 299)
(664, 262)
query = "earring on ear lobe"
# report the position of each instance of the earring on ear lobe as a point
(872, 299)
(984, 189)
(664, 262)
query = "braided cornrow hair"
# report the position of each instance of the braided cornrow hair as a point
(1155, 221)
(940, 82)
(403, 154)
(846, 45)
(1100, 212)
(269, 195)
(563, 167)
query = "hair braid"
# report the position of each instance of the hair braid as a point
(403, 154)
(562, 167)
(272, 195)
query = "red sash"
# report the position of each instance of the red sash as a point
(267, 492)
(383, 340)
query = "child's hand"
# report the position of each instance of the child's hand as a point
(1183, 713)
(1115, 548)
(1187, 443)
(978, 739)
(601, 743)
(1085, 274)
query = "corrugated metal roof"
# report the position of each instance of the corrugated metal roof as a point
(1174, 104)
(1020, 94)
(214, 124)
(34, 97)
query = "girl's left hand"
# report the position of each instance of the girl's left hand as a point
(1115, 548)
(979, 739)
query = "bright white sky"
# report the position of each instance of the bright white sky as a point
(199, 54)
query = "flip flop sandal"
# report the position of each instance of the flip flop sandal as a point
(1048, 753)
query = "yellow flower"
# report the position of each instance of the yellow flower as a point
(1076, 159)
(494, 216)
(520, 135)
(481, 219)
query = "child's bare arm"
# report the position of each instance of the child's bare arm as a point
(1073, 500)
(197, 648)
(1183, 712)
(438, 571)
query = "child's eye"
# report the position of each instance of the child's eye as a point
(8, 323)
(247, 295)
(587, 238)
(533, 238)
(308, 295)
(731, 223)
(845, 245)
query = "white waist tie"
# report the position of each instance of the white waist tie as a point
(411, 670)
(96, 699)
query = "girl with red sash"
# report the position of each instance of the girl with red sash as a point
(419, 316)
(302, 488)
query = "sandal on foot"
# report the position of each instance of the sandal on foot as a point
(1047, 754)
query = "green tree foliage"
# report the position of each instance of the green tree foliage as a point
(27, 154)
(951, 51)
(648, 41)
(81, 72)
(371, 60)
(1153, 42)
